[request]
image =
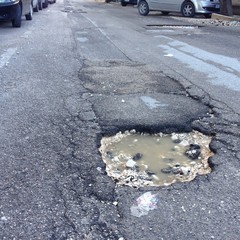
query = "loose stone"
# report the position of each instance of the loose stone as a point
(137, 168)
(176, 170)
(155, 177)
(175, 138)
(109, 154)
(185, 170)
(193, 152)
(137, 156)
(167, 170)
(184, 143)
(150, 173)
(130, 163)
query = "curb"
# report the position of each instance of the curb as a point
(225, 18)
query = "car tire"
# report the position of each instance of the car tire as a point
(165, 13)
(123, 4)
(40, 4)
(188, 9)
(143, 8)
(36, 9)
(30, 14)
(16, 22)
(207, 15)
(45, 4)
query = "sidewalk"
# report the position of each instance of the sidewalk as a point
(225, 18)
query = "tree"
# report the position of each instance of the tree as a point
(226, 7)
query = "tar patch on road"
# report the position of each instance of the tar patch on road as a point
(127, 95)
(147, 112)
(118, 77)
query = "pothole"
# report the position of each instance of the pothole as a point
(72, 10)
(164, 26)
(140, 159)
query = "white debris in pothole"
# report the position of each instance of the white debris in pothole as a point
(145, 203)
(141, 159)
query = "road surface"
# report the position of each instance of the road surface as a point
(81, 70)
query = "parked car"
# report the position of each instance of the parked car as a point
(188, 8)
(40, 4)
(52, 1)
(44, 3)
(124, 3)
(35, 5)
(13, 10)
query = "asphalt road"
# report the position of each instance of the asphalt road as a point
(81, 70)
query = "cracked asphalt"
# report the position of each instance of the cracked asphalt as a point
(74, 80)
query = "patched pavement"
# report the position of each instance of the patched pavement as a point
(193, 210)
(147, 112)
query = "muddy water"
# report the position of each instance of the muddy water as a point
(155, 153)
(143, 159)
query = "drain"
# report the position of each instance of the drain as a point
(140, 159)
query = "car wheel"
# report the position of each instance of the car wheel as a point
(45, 4)
(123, 4)
(30, 14)
(36, 9)
(143, 8)
(208, 15)
(188, 9)
(16, 22)
(40, 4)
(165, 13)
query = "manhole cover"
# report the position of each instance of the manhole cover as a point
(137, 160)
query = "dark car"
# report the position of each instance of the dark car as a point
(52, 1)
(13, 10)
(124, 3)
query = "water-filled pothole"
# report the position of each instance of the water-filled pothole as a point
(140, 159)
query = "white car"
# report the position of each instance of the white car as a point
(14, 10)
(188, 8)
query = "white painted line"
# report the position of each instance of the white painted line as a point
(82, 39)
(220, 70)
